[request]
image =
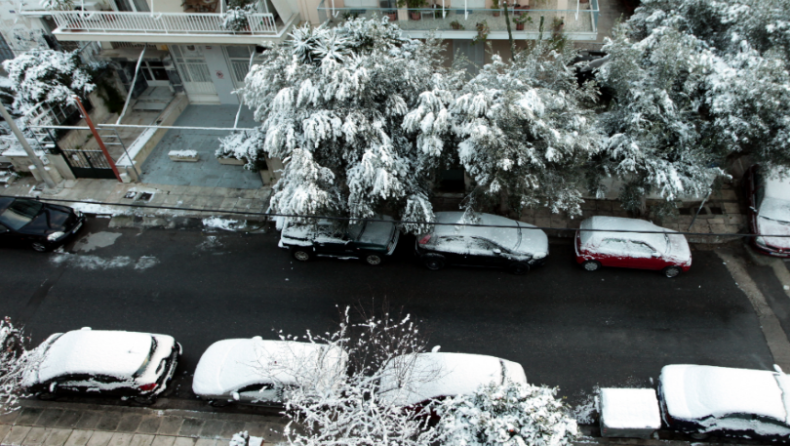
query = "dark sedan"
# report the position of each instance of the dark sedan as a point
(31, 223)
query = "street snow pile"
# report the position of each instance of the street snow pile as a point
(438, 374)
(100, 209)
(710, 396)
(224, 224)
(93, 263)
(629, 413)
(245, 439)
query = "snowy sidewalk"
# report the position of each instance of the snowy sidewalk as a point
(40, 423)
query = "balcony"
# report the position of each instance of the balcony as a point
(166, 27)
(459, 22)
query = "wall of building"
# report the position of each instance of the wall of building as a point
(20, 32)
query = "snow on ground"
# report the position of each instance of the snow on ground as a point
(211, 242)
(96, 240)
(101, 209)
(630, 409)
(224, 224)
(93, 263)
(586, 412)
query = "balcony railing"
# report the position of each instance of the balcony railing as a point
(581, 22)
(158, 23)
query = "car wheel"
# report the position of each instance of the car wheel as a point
(373, 259)
(518, 268)
(699, 436)
(219, 403)
(40, 247)
(433, 262)
(301, 255)
(672, 271)
(591, 265)
(46, 396)
(144, 400)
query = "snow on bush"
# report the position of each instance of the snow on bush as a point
(57, 5)
(246, 144)
(46, 76)
(332, 101)
(513, 414)
(235, 18)
(15, 363)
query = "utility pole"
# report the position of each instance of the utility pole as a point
(30, 152)
(98, 138)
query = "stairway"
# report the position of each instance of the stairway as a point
(154, 99)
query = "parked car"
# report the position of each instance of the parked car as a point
(768, 196)
(701, 400)
(31, 223)
(104, 363)
(369, 240)
(254, 371)
(509, 244)
(437, 375)
(598, 243)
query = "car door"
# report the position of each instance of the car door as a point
(75, 384)
(454, 248)
(643, 256)
(613, 252)
(9, 238)
(331, 240)
(486, 253)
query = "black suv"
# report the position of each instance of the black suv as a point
(31, 223)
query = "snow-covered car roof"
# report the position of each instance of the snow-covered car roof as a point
(524, 240)
(602, 224)
(775, 208)
(696, 392)
(113, 353)
(372, 231)
(439, 374)
(232, 364)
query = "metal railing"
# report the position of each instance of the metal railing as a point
(158, 23)
(582, 20)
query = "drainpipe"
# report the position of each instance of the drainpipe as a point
(29, 150)
(134, 81)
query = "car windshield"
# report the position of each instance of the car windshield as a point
(355, 230)
(20, 213)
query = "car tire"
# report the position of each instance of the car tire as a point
(671, 271)
(144, 400)
(518, 268)
(301, 254)
(219, 403)
(699, 436)
(373, 259)
(433, 262)
(46, 396)
(39, 246)
(591, 265)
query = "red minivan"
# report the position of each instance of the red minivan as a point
(609, 241)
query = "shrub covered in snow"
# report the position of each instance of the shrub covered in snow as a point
(246, 144)
(513, 414)
(57, 5)
(15, 362)
(46, 76)
(235, 18)
(332, 100)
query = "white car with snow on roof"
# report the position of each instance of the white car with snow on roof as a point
(103, 363)
(631, 243)
(262, 372)
(370, 240)
(768, 194)
(492, 241)
(416, 379)
(701, 400)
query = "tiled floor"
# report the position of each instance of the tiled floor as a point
(207, 172)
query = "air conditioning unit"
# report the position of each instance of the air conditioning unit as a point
(90, 6)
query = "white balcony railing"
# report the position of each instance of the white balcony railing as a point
(158, 23)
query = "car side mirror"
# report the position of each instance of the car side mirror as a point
(655, 254)
(235, 396)
(52, 386)
(497, 251)
(752, 209)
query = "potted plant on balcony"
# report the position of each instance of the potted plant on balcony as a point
(57, 5)
(482, 32)
(495, 7)
(456, 25)
(236, 18)
(391, 14)
(413, 5)
(520, 20)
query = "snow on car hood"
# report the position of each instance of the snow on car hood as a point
(773, 218)
(431, 375)
(694, 393)
(114, 353)
(231, 364)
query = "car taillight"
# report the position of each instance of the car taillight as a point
(147, 387)
(425, 239)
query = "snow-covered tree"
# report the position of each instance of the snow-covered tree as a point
(350, 412)
(46, 76)
(512, 414)
(698, 83)
(15, 362)
(525, 129)
(339, 95)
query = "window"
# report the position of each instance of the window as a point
(20, 213)
(256, 388)
(154, 70)
(640, 249)
(482, 246)
(613, 247)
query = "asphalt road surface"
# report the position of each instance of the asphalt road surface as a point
(567, 327)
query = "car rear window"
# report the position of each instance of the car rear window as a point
(147, 359)
(20, 213)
